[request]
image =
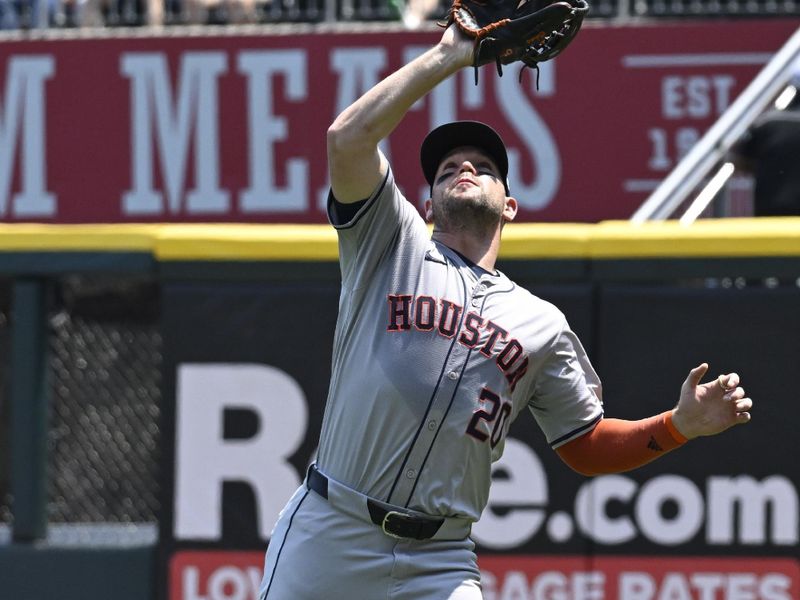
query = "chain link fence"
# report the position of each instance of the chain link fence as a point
(104, 435)
(103, 440)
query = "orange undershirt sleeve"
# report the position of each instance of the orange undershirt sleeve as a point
(616, 445)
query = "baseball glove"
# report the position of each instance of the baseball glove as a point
(505, 31)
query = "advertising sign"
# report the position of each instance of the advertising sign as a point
(236, 575)
(248, 367)
(232, 128)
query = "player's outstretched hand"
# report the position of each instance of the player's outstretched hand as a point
(710, 408)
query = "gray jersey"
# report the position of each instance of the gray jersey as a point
(433, 361)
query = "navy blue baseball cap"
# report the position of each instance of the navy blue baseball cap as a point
(446, 138)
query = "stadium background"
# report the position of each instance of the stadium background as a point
(164, 379)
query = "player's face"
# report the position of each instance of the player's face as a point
(468, 191)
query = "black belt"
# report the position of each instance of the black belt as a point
(393, 521)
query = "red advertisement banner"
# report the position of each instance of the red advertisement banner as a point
(632, 578)
(232, 128)
(206, 575)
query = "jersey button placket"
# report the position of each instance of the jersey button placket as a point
(431, 425)
(427, 434)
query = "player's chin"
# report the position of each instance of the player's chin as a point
(471, 194)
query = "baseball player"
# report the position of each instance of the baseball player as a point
(435, 353)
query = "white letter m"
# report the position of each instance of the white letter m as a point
(24, 108)
(197, 103)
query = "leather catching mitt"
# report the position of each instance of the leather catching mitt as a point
(505, 31)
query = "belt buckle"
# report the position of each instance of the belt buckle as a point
(386, 518)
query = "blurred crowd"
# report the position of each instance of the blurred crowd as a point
(33, 14)
(30, 14)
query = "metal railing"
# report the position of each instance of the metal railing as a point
(705, 164)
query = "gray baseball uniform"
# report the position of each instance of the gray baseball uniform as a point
(433, 359)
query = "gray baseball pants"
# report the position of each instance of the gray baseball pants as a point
(329, 549)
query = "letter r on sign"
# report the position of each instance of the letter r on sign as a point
(204, 460)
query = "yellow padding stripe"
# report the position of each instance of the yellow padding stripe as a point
(546, 240)
(231, 242)
(247, 242)
(34, 237)
(703, 239)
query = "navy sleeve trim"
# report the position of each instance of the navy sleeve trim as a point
(364, 206)
(576, 432)
(344, 213)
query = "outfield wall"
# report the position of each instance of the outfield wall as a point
(167, 382)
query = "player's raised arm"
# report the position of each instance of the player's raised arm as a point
(355, 164)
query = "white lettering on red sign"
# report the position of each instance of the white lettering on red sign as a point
(656, 578)
(689, 98)
(695, 96)
(265, 129)
(539, 191)
(170, 128)
(22, 111)
(219, 575)
(704, 586)
(174, 121)
(224, 583)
